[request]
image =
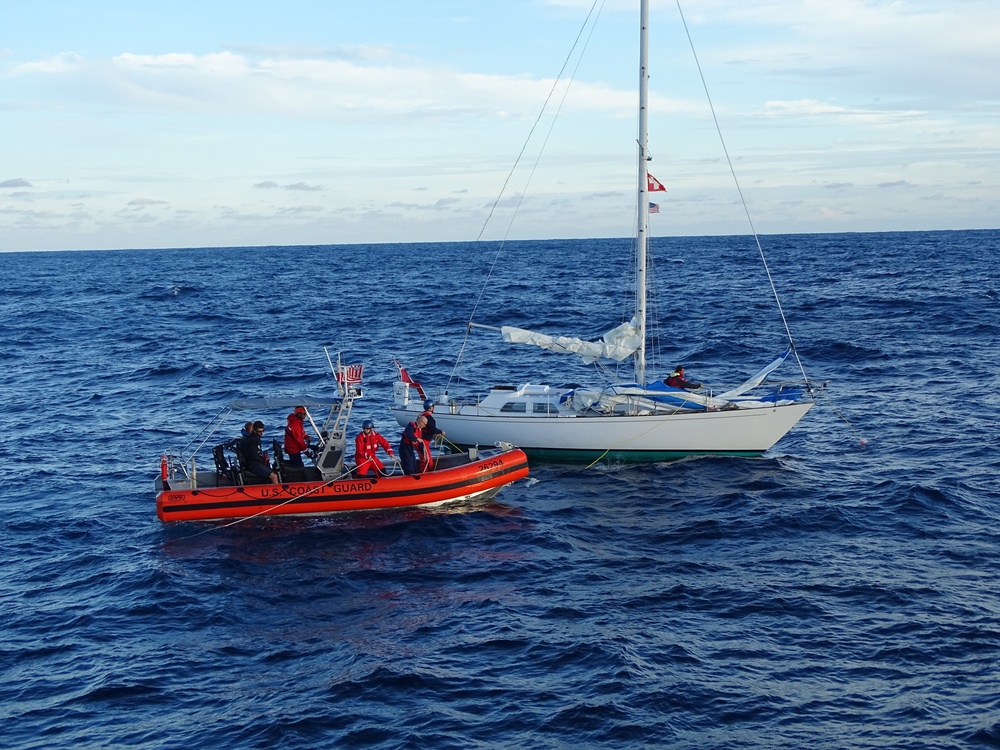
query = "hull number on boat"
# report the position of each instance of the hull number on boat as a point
(491, 466)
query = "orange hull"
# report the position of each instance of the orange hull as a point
(478, 479)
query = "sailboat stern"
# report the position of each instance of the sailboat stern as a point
(404, 397)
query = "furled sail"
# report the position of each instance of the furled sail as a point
(619, 343)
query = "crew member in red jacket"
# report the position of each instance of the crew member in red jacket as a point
(677, 380)
(296, 439)
(366, 445)
(414, 450)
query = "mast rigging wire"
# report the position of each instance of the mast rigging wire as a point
(739, 190)
(517, 161)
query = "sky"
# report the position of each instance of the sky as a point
(202, 124)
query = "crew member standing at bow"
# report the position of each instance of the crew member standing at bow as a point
(366, 446)
(414, 451)
(431, 431)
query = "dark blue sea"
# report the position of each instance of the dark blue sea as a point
(841, 591)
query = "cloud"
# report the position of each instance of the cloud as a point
(62, 64)
(309, 88)
(830, 113)
(18, 182)
(297, 210)
(271, 185)
(862, 50)
(923, 51)
(354, 52)
(440, 204)
(146, 202)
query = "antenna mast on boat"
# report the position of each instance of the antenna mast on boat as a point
(643, 220)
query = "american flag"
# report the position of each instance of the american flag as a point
(654, 208)
(351, 374)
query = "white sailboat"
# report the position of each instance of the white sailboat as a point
(621, 422)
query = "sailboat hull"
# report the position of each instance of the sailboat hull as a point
(624, 438)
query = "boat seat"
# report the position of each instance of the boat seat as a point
(246, 477)
(225, 472)
(285, 472)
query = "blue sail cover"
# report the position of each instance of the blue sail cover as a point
(659, 396)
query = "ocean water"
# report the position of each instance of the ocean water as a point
(841, 591)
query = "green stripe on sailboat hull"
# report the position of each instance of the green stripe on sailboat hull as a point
(623, 457)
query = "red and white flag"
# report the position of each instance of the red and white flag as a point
(653, 185)
(351, 374)
(405, 377)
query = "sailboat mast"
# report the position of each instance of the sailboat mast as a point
(643, 219)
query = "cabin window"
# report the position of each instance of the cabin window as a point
(513, 406)
(545, 408)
